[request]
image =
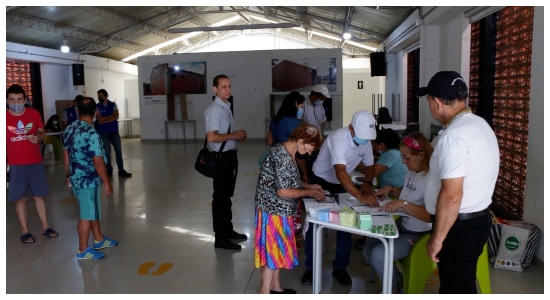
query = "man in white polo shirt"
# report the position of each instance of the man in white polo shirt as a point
(340, 154)
(463, 172)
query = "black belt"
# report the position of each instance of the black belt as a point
(468, 216)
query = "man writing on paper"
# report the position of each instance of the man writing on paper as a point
(342, 151)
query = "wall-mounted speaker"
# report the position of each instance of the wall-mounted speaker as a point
(78, 74)
(378, 64)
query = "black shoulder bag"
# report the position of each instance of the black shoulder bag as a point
(206, 160)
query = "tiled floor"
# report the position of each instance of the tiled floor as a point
(162, 215)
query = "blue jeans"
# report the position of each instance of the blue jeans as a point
(114, 139)
(343, 239)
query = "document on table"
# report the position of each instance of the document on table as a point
(347, 200)
(311, 205)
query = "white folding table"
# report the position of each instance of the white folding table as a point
(387, 241)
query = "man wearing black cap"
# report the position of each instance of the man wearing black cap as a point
(463, 172)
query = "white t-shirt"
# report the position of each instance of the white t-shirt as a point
(314, 115)
(413, 192)
(467, 148)
(339, 149)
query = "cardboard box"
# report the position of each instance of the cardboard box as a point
(171, 107)
(183, 106)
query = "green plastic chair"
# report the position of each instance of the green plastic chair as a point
(417, 268)
(56, 144)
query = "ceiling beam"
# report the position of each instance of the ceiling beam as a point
(337, 24)
(287, 34)
(64, 30)
(157, 23)
(233, 27)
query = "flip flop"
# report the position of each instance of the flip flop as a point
(27, 238)
(50, 233)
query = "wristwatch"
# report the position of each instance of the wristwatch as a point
(405, 203)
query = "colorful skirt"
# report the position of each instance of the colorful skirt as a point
(274, 246)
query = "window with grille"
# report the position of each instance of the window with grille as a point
(413, 58)
(19, 72)
(500, 72)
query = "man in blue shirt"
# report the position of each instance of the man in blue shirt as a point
(83, 157)
(107, 126)
(70, 114)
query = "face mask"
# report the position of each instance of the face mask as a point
(380, 151)
(300, 113)
(359, 141)
(299, 155)
(17, 107)
(54, 122)
(318, 103)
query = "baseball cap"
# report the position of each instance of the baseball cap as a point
(364, 125)
(444, 85)
(321, 88)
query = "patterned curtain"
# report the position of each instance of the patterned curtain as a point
(510, 112)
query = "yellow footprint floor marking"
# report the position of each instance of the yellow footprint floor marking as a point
(163, 268)
(144, 268)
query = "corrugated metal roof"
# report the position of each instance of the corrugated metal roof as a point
(117, 32)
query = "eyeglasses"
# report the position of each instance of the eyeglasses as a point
(406, 157)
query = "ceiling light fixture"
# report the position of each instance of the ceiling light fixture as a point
(346, 35)
(65, 48)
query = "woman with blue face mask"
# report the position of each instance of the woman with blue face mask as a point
(287, 118)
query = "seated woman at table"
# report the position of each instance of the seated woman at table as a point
(277, 192)
(389, 167)
(383, 116)
(415, 153)
(53, 124)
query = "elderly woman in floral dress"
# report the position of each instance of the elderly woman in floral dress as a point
(277, 192)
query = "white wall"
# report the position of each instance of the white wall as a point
(355, 98)
(250, 74)
(444, 39)
(533, 209)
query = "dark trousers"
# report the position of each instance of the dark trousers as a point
(343, 239)
(225, 175)
(459, 253)
(114, 139)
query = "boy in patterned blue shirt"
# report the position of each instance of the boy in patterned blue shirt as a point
(84, 160)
